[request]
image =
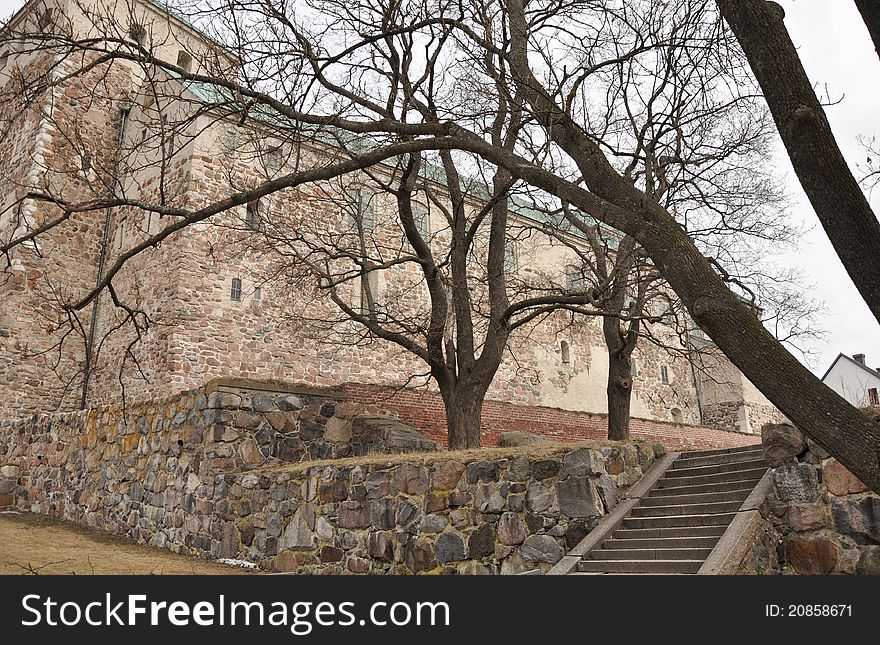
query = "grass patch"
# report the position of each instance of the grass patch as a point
(538, 450)
(33, 544)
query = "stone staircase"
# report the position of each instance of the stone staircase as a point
(674, 527)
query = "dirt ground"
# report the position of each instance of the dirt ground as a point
(34, 544)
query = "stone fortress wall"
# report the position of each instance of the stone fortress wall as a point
(818, 518)
(230, 470)
(197, 330)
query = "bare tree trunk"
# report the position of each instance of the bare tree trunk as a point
(619, 395)
(834, 193)
(814, 407)
(870, 10)
(464, 411)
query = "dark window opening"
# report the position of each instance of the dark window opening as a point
(252, 216)
(86, 163)
(361, 211)
(420, 217)
(664, 374)
(873, 397)
(137, 32)
(633, 367)
(565, 352)
(4, 58)
(46, 18)
(235, 291)
(511, 258)
(184, 61)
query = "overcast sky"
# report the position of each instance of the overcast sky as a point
(836, 50)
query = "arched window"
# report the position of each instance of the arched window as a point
(677, 416)
(565, 352)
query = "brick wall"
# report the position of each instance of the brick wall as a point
(424, 410)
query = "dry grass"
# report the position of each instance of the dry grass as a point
(536, 450)
(35, 544)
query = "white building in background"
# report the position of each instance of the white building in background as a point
(852, 379)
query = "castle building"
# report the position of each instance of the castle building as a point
(213, 299)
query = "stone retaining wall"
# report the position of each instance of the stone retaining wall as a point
(162, 476)
(818, 518)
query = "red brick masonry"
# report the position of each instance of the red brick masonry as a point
(424, 410)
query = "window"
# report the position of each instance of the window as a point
(369, 290)
(184, 61)
(361, 211)
(420, 216)
(148, 222)
(230, 142)
(252, 216)
(258, 293)
(46, 19)
(137, 32)
(4, 58)
(873, 398)
(633, 367)
(574, 278)
(565, 352)
(273, 161)
(664, 374)
(511, 258)
(677, 416)
(235, 291)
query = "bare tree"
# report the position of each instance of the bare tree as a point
(505, 81)
(841, 206)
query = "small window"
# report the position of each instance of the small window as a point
(633, 367)
(184, 61)
(361, 211)
(273, 161)
(4, 58)
(873, 398)
(252, 216)
(677, 416)
(421, 218)
(137, 32)
(258, 293)
(369, 289)
(565, 352)
(664, 374)
(574, 278)
(46, 19)
(86, 162)
(511, 258)
(235, 291)
(230, 142)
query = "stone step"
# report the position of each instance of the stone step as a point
(700, 489)
(663, 532)
(649, 554)
(686, 509)
(719, 451)
(661, 543)
(715, 519)
(639, 566)
(736, 495)
(716, 460)
(700, 480)
(715, 470)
